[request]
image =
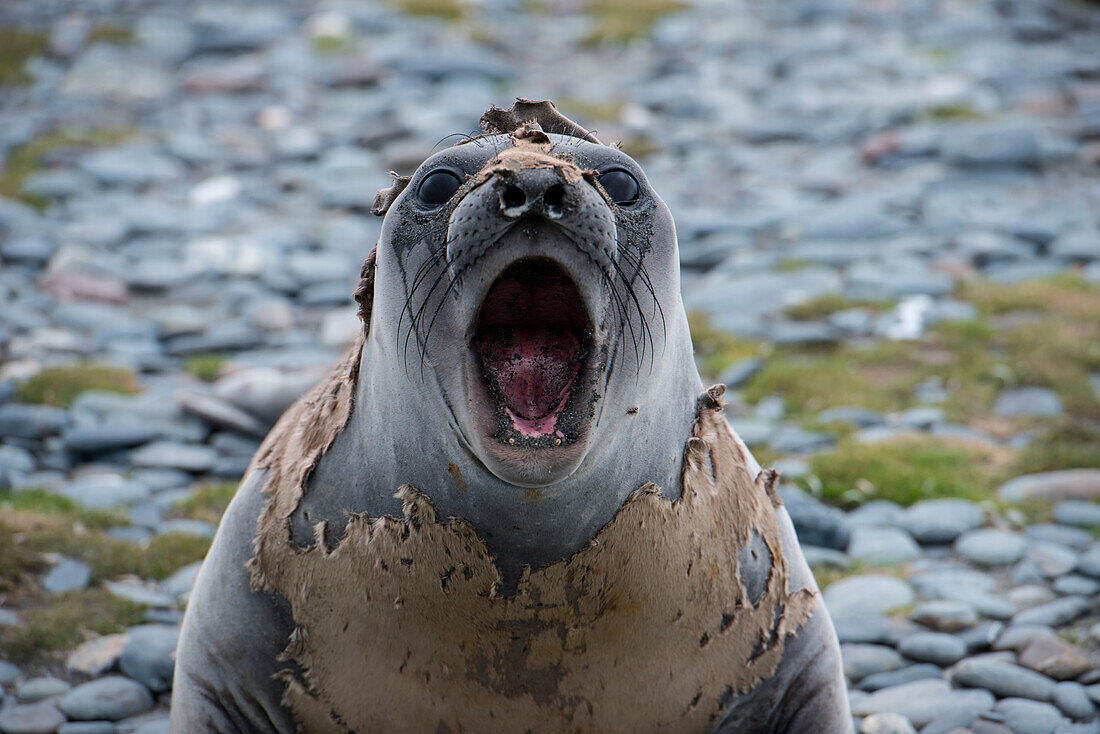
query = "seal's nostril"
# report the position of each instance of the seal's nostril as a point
(554, 200)
(512, 197)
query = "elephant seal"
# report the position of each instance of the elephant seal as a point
(512, 506)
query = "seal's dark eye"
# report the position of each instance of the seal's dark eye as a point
(437, 188)
(620, 186)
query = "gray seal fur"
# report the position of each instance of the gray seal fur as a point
(418, 424)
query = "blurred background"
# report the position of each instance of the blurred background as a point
(888, 218)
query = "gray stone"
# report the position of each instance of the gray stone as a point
(31, 421)
(933, 647)
(1070, 537)
(923, 701)
(945, 615)
(105, 491)
(1073, 700)
(886, 724)
(1075, 512)
(815, 522)
(139, 593)
(795, 440)
(862, 660)
(882, 546)
(1089, 562)
(69, 575)
(876, 512)
(1003, 679)
(8, 673)
(861, 417)
(740, 372)
(174, 455)
(1026, 402)
(990, 547)
(869, 594)
(37, 718)
(991, 145)
(130, 166)
(1068, 484)
(908, 674)
(39, 689)
(1074, 584)
(1029, 717)
(862, 628)
(150, 656)
(110, 699)
(106, 437)
(941, 521)
(1050, 560)
(1055, 613)
(88, 727)
(96, 657)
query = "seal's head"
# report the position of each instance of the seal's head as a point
(531, 265)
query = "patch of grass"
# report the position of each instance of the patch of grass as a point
(64, 622)
(39, 501)
(23, 160)
(953, 112)
(715, 348)
(590, 110)
(1068, 445)
(452, 10)
(879, 378)
(18, 565)
(206, 367)
(107, 557)
(208, 503)
(16, 48)
(906, 470)
(622, 21)
(61, 385)
(792, 265)
(329, 44)
(640, 147)
(828, 304)
(119, 35)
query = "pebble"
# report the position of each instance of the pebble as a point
(1073, 700)
(1081, 514)
(97, 657)
(150, 656)
(941, 521)
(882, 546)
(886, 724)
(923, 701)
(1002, 679)
(34, 690)
(1068, 484)
(868, 594)
(945, 615)
(1055, 613)
(990, 547)
(1023, 715)
(110, 699)
(37, 718)
(933, 647)
(861, 660)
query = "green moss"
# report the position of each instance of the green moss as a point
(23, 160)
(905, 471)
(451, 10)
(590, 110)
(827, 305)
(640, 147)
(622, 21)
(1068, 445)
(64, 622)
(16, 48)
(716, 349)
(206, 367)
(119, 35)
(61, 385)
(207, 503)
(879, 378)
(169, 553)
(329, 44)
(789, 265)
(38, 501)
(953, 112)
(18, 564)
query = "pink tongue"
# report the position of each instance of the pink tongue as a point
(531, 366)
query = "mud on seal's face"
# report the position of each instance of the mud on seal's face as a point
(527, 293)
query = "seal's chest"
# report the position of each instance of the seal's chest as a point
(651, 627)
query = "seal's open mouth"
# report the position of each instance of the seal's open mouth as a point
(532, 337)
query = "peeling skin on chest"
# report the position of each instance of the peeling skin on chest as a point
(648, 628)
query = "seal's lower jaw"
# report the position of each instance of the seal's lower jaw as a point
(532, 401)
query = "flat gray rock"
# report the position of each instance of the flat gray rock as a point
(882, 546)
(923, 701)
(110, 699)
(36, 718)
(869, 594)
(933, 647)
(941, 521)
(990, 547)
(1003, 679)
(1069, 484)
(150, 656)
